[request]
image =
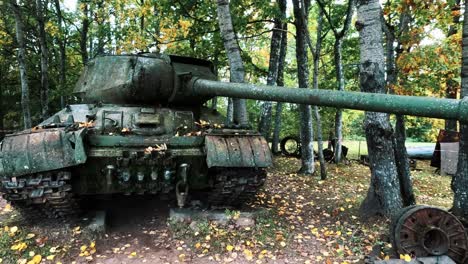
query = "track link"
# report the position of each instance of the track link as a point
(235, 186)
(44, 195)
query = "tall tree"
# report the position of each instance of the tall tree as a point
(40, 11)
(338, 58)
(301, 12)
(451, 85)
(383, 197)
(85, 23)
(62, 42)
(460, 180)
(394, 38)
(235, 60)
(25, 102)
(280, 82)
(315, 84)
(264, 125)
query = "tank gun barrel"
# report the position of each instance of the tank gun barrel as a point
(397, 104)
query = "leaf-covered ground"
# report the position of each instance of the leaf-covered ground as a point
(301, 220)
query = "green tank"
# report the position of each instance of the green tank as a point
(142, 129)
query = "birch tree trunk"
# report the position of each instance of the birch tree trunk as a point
(235, 60)
(452, 85)
(460, 180)
(301, 11)
(280, 82)
(383, 197)
(401, 155)
(62, 43)
(338, 59)
(315, 84)
(21, 63)
(264, 125)
(44, 59)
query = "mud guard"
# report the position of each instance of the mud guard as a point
(237, 151)
(42, 150)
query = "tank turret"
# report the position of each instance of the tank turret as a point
(142, 79)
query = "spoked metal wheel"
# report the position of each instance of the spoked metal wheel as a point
(428, 231)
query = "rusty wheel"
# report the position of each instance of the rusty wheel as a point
(428, 231)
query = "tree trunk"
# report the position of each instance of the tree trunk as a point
(84, 33)
(276, 131)
(22, 64)
(61, 42)
(460, 180)
(315, 85)
(301, 11)
(452, 85)
(264, 125)
(235, 60)
(401, 155)
(402, 162)
(44, 60)
(280, 82)
(338, 59)
(229, 112)
(384, 197)
(338, 47)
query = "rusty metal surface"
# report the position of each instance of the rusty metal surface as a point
(237, 151)
(428, 231)
(43, 150)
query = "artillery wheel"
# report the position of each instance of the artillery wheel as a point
(235, 186)
(428, 231)
(290, 146)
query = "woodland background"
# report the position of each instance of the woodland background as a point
(429, 55)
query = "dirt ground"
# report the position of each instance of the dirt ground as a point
(306, 221)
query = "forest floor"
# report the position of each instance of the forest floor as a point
(302, 220)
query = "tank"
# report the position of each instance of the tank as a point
(141, 128)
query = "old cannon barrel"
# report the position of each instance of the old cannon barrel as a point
(398, 104)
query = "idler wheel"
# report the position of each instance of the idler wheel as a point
(428, 231)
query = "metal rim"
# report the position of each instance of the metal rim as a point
(429, 231)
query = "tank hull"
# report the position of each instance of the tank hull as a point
(126, 149)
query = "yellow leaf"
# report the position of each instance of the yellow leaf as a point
(7, 209)
(83, 248)
(248, 254)
(92, 245)
(405, 257)
(50, 257)
(132, 255)
(35, 260)
(19, 247)
(182, 257)
(30, 235)
(13, 230)
(197, 245)
(229, 247)
(32, 254)
(283, 244)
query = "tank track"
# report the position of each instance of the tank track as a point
(42, 195)
(235, 186)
